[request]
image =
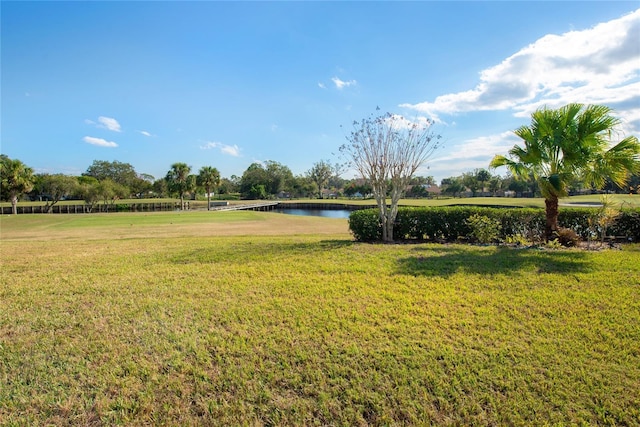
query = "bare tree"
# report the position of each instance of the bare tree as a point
(387, 150)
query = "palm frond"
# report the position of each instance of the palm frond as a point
(570, 143)
(616, 164)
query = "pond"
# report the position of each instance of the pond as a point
(327, 213)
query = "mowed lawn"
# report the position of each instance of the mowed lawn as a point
(254, 318)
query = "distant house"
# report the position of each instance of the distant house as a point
(329, 194)
(423, 190)
(433, 190)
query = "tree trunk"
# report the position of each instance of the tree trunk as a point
(384, 220)
(383, 211)
(551, 226)
(208, 199)
(392, 211)
(389, 220)
(14, 205)
(390, 223)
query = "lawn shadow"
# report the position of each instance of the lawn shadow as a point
(446, 260)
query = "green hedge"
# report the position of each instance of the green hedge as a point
(449, 223)
(365, 225)
(627, 225)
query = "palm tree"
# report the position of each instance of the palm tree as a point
(15, 179)
(482, 175)
(208, 178)
(572, 142)
(179, 180)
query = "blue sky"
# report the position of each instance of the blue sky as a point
(226, 84)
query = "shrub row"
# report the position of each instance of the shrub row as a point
(450, 223)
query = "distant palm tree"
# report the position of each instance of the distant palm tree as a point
(570, 143)
(483, 176)
(15, 179)
(179, 180)
(208, 178)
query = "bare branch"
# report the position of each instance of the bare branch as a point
(387, 150)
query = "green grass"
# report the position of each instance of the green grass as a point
(280, 327)
(624, 200)
(620, 199)
(28, 227)
(65, 221)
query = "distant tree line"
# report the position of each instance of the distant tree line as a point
(480, 182)
(565, 152)
(105, 182)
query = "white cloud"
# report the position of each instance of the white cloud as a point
(341, 84)
(473, 153)
(321, 85)
(481, 148)
(105, 123)
(144, 132)
(231, 150)
(109, 123)
(99, 142)
(598, 65)
(401, 122)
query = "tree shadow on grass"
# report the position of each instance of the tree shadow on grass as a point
(445, 261)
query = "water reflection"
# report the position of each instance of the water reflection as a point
(327, 213)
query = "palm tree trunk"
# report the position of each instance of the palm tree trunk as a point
(14, 205)
(551, 226)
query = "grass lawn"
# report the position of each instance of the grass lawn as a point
(623, 200)
(253, 318)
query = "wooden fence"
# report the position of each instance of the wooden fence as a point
(172, 206)
(82, 208)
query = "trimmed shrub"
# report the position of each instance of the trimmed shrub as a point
(627, 225)
(365, 225)
(525, 222)
(584, 222)
(483, 228)
(578, 220)
(449, 223)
